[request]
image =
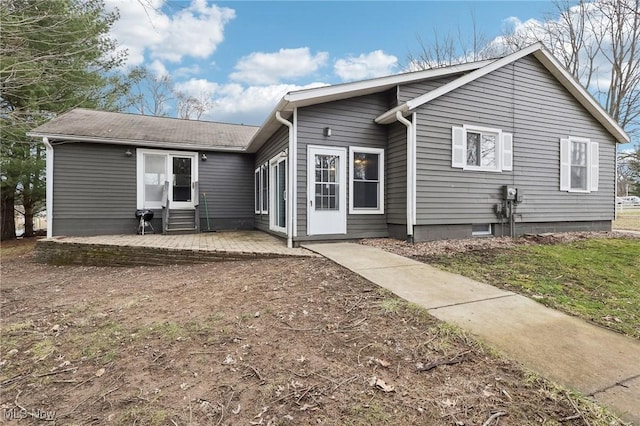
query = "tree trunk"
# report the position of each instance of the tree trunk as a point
(7, 214)
(28, 217)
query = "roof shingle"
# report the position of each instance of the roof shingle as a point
(163, 132)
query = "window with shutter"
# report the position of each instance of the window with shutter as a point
(579, 165)
(481, 148)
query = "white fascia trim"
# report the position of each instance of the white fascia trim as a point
(548, 61)
(581, 94)
(291, 100)
(468, 78)
(392, 80)
(465, 79)
(49, 186)
(291, 171)
(137, 142)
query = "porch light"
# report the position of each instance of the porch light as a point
(327, 131)
(128, 153)
(203, 157)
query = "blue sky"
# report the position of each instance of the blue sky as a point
(241, 57)
(244, 55)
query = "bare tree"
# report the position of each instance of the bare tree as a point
(149, 93)
(192, 107)
(450, 49)
(597, 41)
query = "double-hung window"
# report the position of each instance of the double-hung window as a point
(481, 148)
(366, 180)
(579, 165)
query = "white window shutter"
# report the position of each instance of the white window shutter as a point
(458, 146)
(594, 166)
(565, 164)
(507, 151)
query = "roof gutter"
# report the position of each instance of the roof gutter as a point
(132, 142)
(410, 173)
(290, 183)
(391, 115)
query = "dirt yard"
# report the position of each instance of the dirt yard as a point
(295, 341)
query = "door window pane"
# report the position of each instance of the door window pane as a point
(182, 179)
(327, 187)
(155, 174)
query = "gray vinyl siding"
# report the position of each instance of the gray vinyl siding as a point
(411, 91)
(94, 189)
(525, 99)
(396, 175)
(352, 124)
(275, 145)
(227, 181)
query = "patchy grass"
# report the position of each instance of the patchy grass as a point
(628, 220)
(594, 279)
(18, 247)
(280, 341)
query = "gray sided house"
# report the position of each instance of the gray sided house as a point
(497, 147)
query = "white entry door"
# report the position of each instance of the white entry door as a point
(182, 181)
(326, 190)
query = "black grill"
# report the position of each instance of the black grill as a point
(144, 217)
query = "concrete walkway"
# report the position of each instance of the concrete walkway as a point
(574, 353)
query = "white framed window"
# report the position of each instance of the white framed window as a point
(257, 191)
(579, 165)
(478, 229)
(264, 182)
(366, 180)
(261, 189)
(481, 148)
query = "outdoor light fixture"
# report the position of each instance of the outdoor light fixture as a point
(284, 153)
(203, 157)
(327, 131)
(128, 153)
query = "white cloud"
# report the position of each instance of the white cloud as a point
(271, 68)
(186, 71)
(143, 27)
(367, 65)
(235, 103)
(158, 69)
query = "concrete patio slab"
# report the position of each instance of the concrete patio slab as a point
(227, 241)
(590, 359)
(154, 249)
